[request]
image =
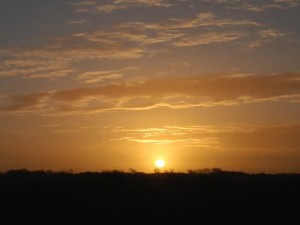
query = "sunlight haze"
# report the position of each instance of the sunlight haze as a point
(115, 84)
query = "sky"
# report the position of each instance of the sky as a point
(116, 84)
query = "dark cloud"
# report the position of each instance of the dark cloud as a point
(23, 102)
(172, 92)
(218, 87)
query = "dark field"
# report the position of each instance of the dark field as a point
(161, 198)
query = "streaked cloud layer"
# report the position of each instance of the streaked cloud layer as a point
(214, 81)
(174, 92)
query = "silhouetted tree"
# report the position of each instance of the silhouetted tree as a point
(131, 170)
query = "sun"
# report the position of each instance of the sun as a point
(160, 163)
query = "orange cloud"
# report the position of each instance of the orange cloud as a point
(96, 76)
(218, 87)
(242, 137)
(208, 38)
(172, 92)
(23, 103)
(113, 5)
(259, 6)
(34, 68)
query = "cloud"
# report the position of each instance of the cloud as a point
(188, 92)
(291, 3)
(83, 6)
(112, 6)
(71, 49)
(65, 128)
(104, 77)
(84, 3)
(202, 29)
(219, 87)
(124, 35)
(176, 93)
(208, 38)
(256, 6)
(207, 19)
(128, 40)
(23, 103)
(112, 36)
(271, 33)
(172, 92)
(191, 136)
(273, 138)
(96, 76)
(158, 3)
(26, 67)
(66, 131)
(179, 32)
(77, 22)
(56, 60)
(265, 36)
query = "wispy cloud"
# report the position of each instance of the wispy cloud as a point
(172, 92)
(67, 128)
(208, 38)
(84, 3)
(159, 3)
(205, 91)
(207, 19)
(128, 40)
(26, 67)
(248, 5)
(96, 76)
(265, 36)
(55, 60)
(192, 136)
(210, 29)
(256, 6)
(23, 103)
(102, 77)
(77, 22)
(218, 87)
(113, 5)
(110, 8)
(70, 48)
(237, 136)
(271, 33)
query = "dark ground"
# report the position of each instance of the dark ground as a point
(161, 198)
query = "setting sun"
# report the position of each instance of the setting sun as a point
(160, 163)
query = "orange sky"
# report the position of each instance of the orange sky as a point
(117, 84)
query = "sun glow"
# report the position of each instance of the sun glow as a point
(160, 163)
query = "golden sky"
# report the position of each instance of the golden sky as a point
(116, 84)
